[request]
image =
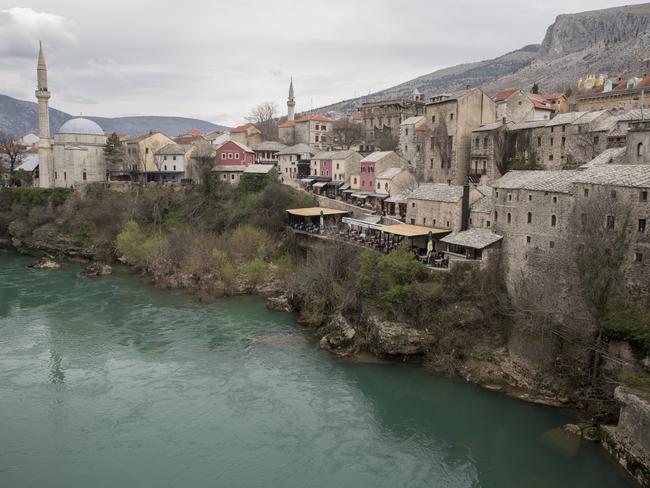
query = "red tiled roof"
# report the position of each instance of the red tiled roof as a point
(622, 85)
(504, 94)
(241, 128)
(551, 96)
(315, 118)
(357, 116)
(540, 106)
(645, 81)
(288, 123)
(195, 132)
(185, 139)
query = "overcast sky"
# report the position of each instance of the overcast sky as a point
(214, 59)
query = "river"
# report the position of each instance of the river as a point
(112, 383)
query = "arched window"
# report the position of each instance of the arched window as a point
(639, 149)
(509, 218)
(530, 217)
(553, 220)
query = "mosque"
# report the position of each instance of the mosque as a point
(76, 155)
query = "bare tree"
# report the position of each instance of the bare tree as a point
(347, 133)
(584, 145)
(264, 116)
(11, 151)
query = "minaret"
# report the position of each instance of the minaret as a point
(291, 102)
(45, 159)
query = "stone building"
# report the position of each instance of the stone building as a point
(337, 165)
(412, 139)
(515, 105)
(488, 148)
(173, 162)
(383, 118)
(246, 134)
(267, 151)
(139, 153)
(598, 93)
(76, 155)
(315, 130)
(450, 121)
(395, 181)
(440, 205)
(292, 159)
(375, 163)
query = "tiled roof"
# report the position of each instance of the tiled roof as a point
(628, 175)
(531, 124)
(173, 149)
(287, 124)
(504, 94)
(390, 173)
(413, 120)
(590, 117)
(483, 205)
(565, 118)
(314, 117)
(558, 181)
(437, 192)
(550, 96)
(269, 146)
(485, 190)
(490, 126)
(376, 156)
(259, 169)
(229, 168)
(243, 147)
(297, 149)
(478, 238)
(242, 128)
(334, 154)
(608, 156)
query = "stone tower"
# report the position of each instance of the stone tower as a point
(45, 157)
(291, 102)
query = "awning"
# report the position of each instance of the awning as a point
(348, 191)
(409, 230)
(396, 199)
(315, 211)
(346, 186)
(377, 195)
(320, 184)
(335, 183)
(361, 223)
(307, 180)
(361, 196)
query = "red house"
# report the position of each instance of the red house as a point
(367, 176)
(234, 153)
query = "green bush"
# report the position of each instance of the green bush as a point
(254, 272)
(135, 246)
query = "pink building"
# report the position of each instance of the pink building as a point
(326, 167)
(234, 153)
(367, 177)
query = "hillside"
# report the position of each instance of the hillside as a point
(611, 41)
(20, 117)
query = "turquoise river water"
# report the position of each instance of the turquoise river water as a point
(112, 383)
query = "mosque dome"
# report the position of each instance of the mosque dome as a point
(81, 126)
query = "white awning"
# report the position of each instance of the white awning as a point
(361, 223)
(361, 196)
(320, 184)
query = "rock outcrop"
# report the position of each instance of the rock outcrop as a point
(397, 339)
(97, 269)
(340, 337)
(279, 304)
(45, 262)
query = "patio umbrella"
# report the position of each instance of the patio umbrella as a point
(429, 242)
(322, 221)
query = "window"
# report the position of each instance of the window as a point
(595, 139)
(487, 223)
(552, 128)
(553, 220)
(417, 148)
(586, 192)
(433, 119)
(165, 167)
(510, 197)
(638, 257)
(639, 149)
(611, 222)
(527, 239)
(223, 155)
(451, 116)
(316, 138)
(232, 177)
(509, 218)
(406, 148)
(550, 157)
(65, 175)
(563, 141)
(412, 204)
(355, 181)
(564, 128)
(406, 132)
(497, 194)
(56, 175)
(378, 186)
(530, 198)
(174, 158)
(641, 223)
(529, 218)
(551, 244)
(424, 221)
(613, 194)
(539, 142)
(496, 216)
(146, 150)
(386, 186)
(337, 165)
(643, 196)
(174, 167)
(165, 158)
(554, 199)
(485, 142)
(551, 141)
(447, 224)
(84, 177)
(412, 221)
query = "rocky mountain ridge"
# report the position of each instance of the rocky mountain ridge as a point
(612, 41)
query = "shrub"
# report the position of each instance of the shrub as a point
(248, 243)
(254, 272)
(135, 246)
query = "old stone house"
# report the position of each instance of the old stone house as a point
(382, 118)
(293, 159)
(515, 105)
(439, 205)
(173, 162)
(375, 163)
(395, 181)
(412, 139)
(246, 134)
(267, 151)
(598, 93)
(140, 151)
(450, 121)
(337, 165)
(315, 130)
